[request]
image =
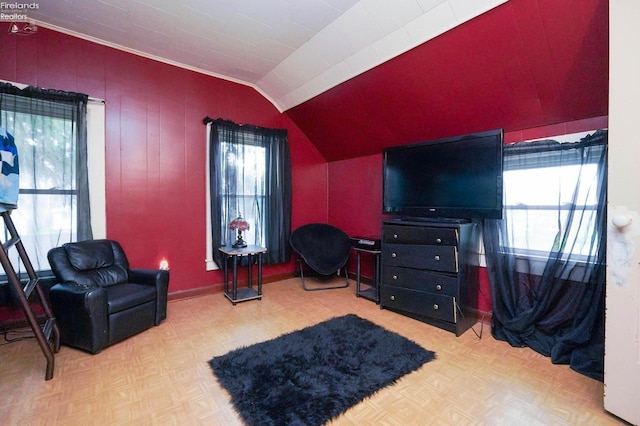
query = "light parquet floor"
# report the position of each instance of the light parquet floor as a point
(161, 376)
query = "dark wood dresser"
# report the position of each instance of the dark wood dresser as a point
(430, 272)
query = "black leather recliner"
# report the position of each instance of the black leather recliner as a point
(99, 300)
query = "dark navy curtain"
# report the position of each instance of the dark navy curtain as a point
(250, 174)
(558, 311)
(50, 131)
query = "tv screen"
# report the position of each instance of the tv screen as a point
(458, 178)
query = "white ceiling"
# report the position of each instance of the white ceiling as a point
(289, 50)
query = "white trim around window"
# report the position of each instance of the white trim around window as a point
(96, 167)
(211, 265)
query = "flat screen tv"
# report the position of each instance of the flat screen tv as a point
(457, 178)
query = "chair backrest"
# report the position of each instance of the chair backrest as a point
(323, 247)
(91, 262)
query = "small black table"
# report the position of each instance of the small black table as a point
(234, 294)
(371, 292)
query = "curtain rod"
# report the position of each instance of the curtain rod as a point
(21, 86)
(208, 120)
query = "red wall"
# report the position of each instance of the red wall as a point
(155, 144)
(523, 64)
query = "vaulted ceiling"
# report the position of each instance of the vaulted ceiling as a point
(359, 75)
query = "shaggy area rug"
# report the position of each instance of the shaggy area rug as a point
(312, 375)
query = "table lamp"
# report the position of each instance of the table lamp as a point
(240, 225)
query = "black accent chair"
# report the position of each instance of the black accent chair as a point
(324, 249)
(99, 300)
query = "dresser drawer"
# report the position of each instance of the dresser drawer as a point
(436, 258)
(418, 302)
(416, 279)
(420, 235)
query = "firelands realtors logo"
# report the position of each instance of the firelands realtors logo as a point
(13, 11)
(17, 14)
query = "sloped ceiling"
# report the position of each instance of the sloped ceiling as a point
(524, 64)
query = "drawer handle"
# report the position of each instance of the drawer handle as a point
(437, 257)
(395, 236)
(436, 307)
(394, 255)
(393, 297)
(438, 240)
(395, 277)
(438, 287)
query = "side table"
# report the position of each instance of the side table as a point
(371, 292)
(234, 294)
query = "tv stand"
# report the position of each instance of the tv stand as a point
(430, 272)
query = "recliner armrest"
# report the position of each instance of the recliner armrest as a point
(82, 314)
(145, 276)
(158, 278)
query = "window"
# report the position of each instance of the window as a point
(50, 135)
(248, 174)
(534, 210)
(246, 196)
(541, 189)
(546, 256)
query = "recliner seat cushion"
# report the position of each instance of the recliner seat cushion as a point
(125, 296)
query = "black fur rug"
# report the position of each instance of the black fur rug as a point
(312, 375)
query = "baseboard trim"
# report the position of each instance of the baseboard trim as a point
(218, 288)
